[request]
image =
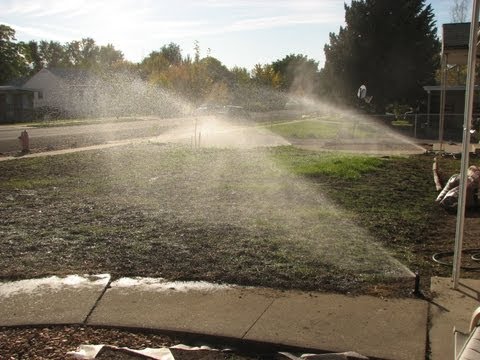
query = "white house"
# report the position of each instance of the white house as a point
(72, 91)
(83, 93)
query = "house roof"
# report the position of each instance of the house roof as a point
(72, 75)
(456, 36)
(455, 42)
(5, 88)
(448, 88)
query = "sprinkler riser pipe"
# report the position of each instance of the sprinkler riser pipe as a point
(416, 290)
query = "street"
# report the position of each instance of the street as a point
(61, 137)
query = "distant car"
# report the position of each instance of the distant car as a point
(228, 111)
(234, 111)
(207, 109)
(293, 105)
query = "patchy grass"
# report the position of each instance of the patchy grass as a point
(307, 129)
(402, 123)
(326, 128)
(286, 218)
(314, 164)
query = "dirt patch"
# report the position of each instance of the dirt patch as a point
(224, 215)
(220, 215)
(111, 211)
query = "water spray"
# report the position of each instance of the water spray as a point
(195, 133)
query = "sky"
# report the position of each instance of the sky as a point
(237, 32)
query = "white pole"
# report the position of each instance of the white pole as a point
(472, 53)
(441, 122)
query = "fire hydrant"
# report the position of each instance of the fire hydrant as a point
(24, 141)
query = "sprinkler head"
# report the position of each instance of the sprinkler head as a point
(416, 290)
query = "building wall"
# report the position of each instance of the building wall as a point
(50, 88)
(70, 98)
(16, 106)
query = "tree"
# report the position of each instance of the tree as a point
(266, 75)
(155, 65)
(172, 53)
(459, 11)
(108, 56)
(12, 63)
(214, 69)
(240, 75)
(53, 54)
(196, 49)
(83, 53)
(298, 73)
(457, 75)
(32, 56)
(389, 46)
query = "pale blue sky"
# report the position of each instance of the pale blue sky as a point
(241, 33)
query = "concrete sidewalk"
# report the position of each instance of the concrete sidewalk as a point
(374, 327)
(450, 308)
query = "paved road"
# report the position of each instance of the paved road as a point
(62, 137)
(67, 137)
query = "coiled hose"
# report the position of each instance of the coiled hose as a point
(475, 257)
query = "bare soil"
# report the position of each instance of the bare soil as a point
(92, 224)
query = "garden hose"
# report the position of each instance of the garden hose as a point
(475, 257)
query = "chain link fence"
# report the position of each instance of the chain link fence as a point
(426, 126)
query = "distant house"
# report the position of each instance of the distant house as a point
(74, 92)
(454, 99)
(16, 104)
(68, 91)
(446, 103)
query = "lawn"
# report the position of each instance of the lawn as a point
(327, 128)
(281, 217)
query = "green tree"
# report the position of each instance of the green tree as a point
(240, 75)
(196, 49)
(156, 64)
(32, 56)
(213, 80)
(298, 73)
(172, 53)
(266, 75)
(153, 64)
(214, 69)
(12, 63)
(108, 56)
(53, 54)
(390, 46)
(83, 53)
